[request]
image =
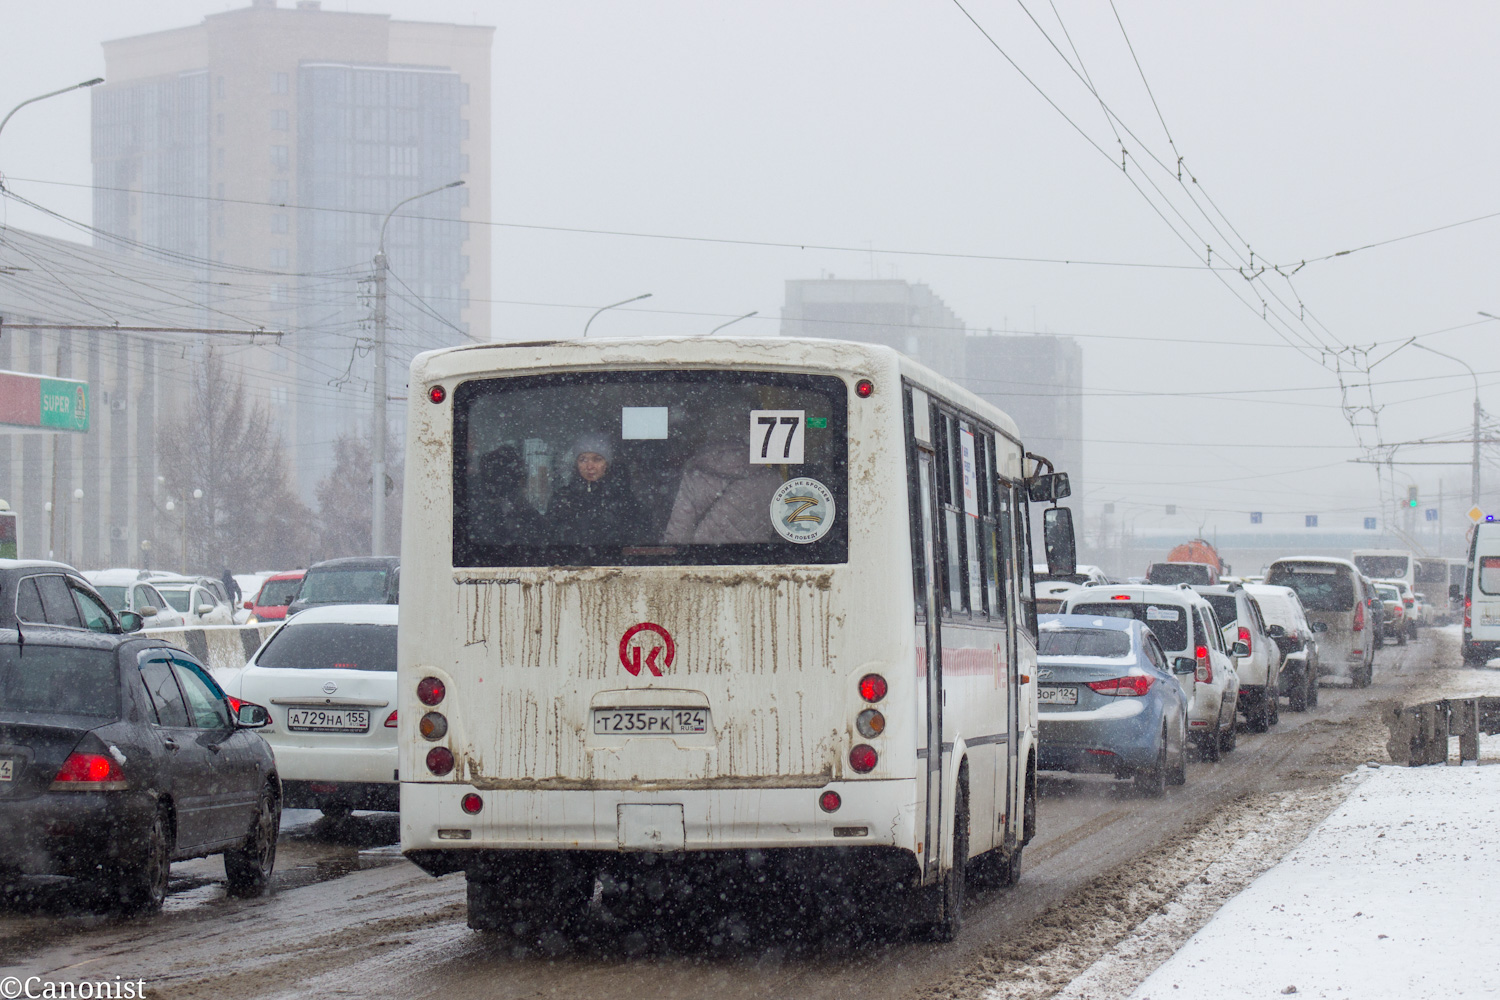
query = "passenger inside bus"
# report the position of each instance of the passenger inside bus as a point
(721, 496)
(596, 503)
(501, 512)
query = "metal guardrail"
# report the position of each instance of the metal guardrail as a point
(1419, 733)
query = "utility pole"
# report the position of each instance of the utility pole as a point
(378, 417)
(1474, 484)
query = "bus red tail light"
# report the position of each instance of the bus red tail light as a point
(864, 388)
(1245, 638)
(440, 760)
(1205, 672)
(471, 803)
(830, 801)
(863, 758)
(872, 687)
(430, 690)
(1124, 687)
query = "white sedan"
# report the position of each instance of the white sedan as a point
(201, 605)
(328, 678)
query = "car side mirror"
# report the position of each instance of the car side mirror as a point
(252, 716)
(130, 621)
(1059, 541)
(1275, 631)
(249, 605)
(148, 611)
(1239, 649)
(1184, 665)
(1319, 626)
(205, 609)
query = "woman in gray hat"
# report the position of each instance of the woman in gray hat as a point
(595, 507)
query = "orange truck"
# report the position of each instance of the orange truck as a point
(1196, 562)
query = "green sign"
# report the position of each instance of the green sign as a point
(65, 404)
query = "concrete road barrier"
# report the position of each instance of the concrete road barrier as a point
(1419, 733)
(224, 649)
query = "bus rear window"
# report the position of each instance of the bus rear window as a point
(628, 468)
(1383, 567)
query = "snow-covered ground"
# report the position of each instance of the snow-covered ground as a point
(1391, 896)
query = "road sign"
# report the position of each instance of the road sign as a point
(1476, 515)
(1369, 524)
(1312, 520)
(1255, 517)
(1431, 513)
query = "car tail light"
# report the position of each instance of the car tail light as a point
(471, 803)
(863, 758)
(430, 690)
(1359, 618)
(1124, 687)
(1468, 619)
(89, 772)
(440, 760)
(830, 801)
(1245, 638)
(390, 720)
(1407, 602)
(433, 726)
(872, 687)
(1205, 671)
(234, 705)
(1120, 597)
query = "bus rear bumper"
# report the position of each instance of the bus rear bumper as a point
(439, 836)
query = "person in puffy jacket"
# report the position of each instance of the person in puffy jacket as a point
(722, 498)
(595, 507)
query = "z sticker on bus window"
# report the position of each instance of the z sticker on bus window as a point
(1162, 614)
(776, 436)
(802, 510)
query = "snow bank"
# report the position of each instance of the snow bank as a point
(1390, 896)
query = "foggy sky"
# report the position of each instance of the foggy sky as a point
(897, 126)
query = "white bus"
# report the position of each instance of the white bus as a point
(1387, 564)
(721, 600)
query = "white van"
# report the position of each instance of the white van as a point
(1333, 592)
(1482, 596)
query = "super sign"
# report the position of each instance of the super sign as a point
(647, 644)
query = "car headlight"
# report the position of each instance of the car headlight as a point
(252, 620)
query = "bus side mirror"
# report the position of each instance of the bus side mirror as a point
(1058, 538)
(1049, 488)
(1455, 592)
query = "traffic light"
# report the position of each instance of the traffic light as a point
(1411, 496)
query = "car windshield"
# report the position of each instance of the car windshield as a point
(331, 646)
(180, 600)
(1389, 593)
(650, 467)
(1226, 608)
(1171, 574)
(278, 593)
(59, 680)
(1167, 620)
(1083, 642)
(344, 586)
(1320, 588)
(113, 596)
(1383, 566)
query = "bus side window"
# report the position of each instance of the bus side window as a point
(949, 495)
(1006, 542)
(994, 593)
(918, 501)
(1027, 595)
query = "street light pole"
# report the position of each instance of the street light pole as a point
(732, 322)
(42, 97)
(378, 430)
(1474, 480)
(612, 305)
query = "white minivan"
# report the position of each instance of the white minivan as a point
(1482, 596)
(1333, 592)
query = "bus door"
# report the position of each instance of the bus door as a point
(926, 574)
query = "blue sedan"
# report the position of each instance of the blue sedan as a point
(1110, 702)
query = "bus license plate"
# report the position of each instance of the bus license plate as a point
(1057, 696)
(650, 721)
(323, 720)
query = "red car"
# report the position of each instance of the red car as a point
(275, 594)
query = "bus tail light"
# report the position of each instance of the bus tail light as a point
(471, 803)
(830, 801)
(1205, 672)
(863, 758)
(871, 723)
(872, 687)
(434, 726)
(437, 394)
(1124, 687)
(430, 690)
(440, 761)
(864, 388)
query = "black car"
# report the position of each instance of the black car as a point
(55, 595)
(357, 580)
(120, 754)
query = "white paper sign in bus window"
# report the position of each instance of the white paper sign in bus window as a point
(777, 436)
(971, 479)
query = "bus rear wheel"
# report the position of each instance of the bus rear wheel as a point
(949, 897)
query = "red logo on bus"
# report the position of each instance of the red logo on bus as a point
(636, 643)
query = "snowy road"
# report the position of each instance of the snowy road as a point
(349, 915)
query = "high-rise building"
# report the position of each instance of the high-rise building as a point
(268, 144)
(1038, 380)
